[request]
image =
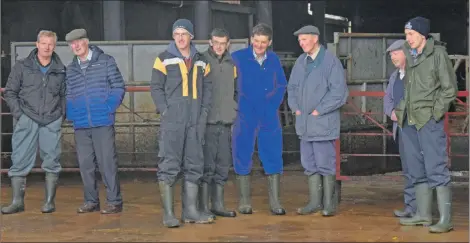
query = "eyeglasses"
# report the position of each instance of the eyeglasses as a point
(185, 34)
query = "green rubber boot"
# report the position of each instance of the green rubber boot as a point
(423, 214)
(316, 194)
(444, 203)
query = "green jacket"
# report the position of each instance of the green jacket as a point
(430, 85)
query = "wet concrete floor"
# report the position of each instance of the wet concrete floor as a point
(365, 215)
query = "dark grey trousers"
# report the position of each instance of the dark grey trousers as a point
(318, 157)
(180, 151)
(409, 191)
(217, 154)
(97, 147)
(425, 153)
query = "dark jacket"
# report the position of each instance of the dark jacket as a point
(39, 96)
(323, 89)
(223, 76)
(94, 97)
(181, 94)
(430, 85)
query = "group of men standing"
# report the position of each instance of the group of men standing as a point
(418, 95)
(41, 93)
(214, 106)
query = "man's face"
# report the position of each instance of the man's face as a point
(414, 38)
(46, 46)
(260, 44)
(182, 38)
(398, 58)
(79, 47)
(219, 45)
(307, 42)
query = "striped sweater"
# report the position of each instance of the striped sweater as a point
(94, 96)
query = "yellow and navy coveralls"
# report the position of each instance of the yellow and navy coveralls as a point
(182, 95)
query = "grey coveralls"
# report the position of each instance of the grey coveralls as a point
(217, 147)
(182, 95)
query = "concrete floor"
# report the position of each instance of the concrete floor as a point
(365, 215)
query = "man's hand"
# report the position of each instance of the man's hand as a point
(297, 113)
(315, 113)
(393, 116)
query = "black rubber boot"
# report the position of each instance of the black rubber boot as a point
(166, 199)
(18, 185)
(217, 201)
(274, 182)
(244, 189)
(444, 203)
(50, 191)
(203, 205)
(190, 212)
(423, 214)
(329, 198)
(316, 194)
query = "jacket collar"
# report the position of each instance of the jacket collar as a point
(56, 63)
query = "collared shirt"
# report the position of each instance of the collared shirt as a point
(260, 60)
(88, 57)
(402, 73)
(314, 54)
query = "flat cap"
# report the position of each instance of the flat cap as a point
(397, 45)
(308, 29)
(76, 34)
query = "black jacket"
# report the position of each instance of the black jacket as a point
(39, 96)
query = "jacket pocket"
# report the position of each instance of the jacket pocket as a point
(320, 125)
(300, 124)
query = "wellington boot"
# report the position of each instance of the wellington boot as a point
(423, 214)
(329, 199)
(316, 194)
(50, 191)
(166, 199)
(190, 212)
(18, 185)
(203, 204)
(244, 189)
(274, 182)
(217, 201)
(444, 203)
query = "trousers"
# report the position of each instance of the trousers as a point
(96, 147)
(425, 153)
(267, 130)
(217, 154)
(318, 157)
(409, 191)
(27, 135)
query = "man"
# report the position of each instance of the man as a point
(217, 147)
(430, 89)
(95, 89)
(317, 90)
(261, 87)
(393, 95)
(181, 92)
(35, 93)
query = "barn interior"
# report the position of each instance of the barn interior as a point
(146, 20)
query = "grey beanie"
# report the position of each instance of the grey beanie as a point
(184, 24)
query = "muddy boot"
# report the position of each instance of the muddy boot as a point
(316, 192)
(166, 199)
(329, 199)
(18, 184)
(190, 212)
(203, 205)
(217, 201)
(244, 190)
(444, 203)
(274, 182)
(423, 214)
(50, 189)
